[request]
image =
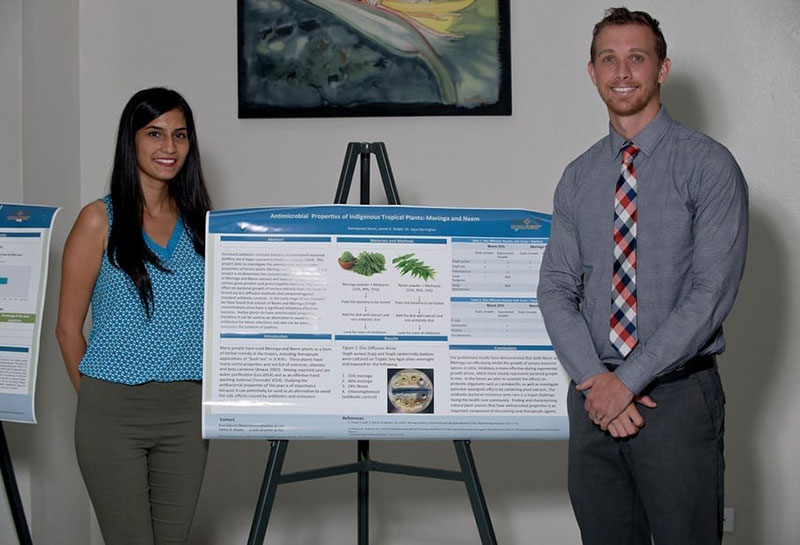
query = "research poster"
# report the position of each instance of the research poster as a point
(24, 252)
(378, 322)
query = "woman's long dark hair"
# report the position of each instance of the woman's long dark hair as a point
(127, 249)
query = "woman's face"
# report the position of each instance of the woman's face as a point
(161, 147)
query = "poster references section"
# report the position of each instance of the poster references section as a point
(24, 251)
(378, 322)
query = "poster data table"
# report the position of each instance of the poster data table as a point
(378, 322)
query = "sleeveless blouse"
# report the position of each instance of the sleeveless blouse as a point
(127, 347)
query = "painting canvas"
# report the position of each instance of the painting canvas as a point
(335, 58)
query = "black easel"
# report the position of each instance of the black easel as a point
(14, 500)
(272, 475)
(362, 150)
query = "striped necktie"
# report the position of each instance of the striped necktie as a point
(623, 333)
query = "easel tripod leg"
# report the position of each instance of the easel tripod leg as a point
(14, 501)
(475, 492)
(363, 493)
(346, 177)
(269, 487)
(365, 171)
(379, 148)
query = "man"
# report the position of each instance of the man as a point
(646, 251)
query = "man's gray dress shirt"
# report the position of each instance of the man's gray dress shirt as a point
(690, 253)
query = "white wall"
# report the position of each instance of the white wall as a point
(11, 191)
(11, 103)
(59, 511)
(735, 76)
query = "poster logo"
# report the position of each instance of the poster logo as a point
(527, 224)
(19, 217)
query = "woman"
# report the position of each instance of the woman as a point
(137, 256)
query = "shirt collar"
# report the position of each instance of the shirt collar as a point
(648, 138)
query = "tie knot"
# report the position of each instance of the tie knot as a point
(629, 151)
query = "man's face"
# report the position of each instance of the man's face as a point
(626, 70)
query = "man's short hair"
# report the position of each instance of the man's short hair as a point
(624, 16)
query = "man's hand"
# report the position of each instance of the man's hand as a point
(607, 399)
(630, 421)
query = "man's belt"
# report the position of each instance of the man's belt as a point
(694, 365)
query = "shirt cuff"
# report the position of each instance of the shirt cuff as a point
(593, 373)
(634, 373)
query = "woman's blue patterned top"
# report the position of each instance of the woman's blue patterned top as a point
(124, 345)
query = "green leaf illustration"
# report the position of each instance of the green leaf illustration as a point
(409, 264)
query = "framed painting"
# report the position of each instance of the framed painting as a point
(344, 58)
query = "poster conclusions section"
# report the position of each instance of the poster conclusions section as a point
(378, 322)
(24, 251)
